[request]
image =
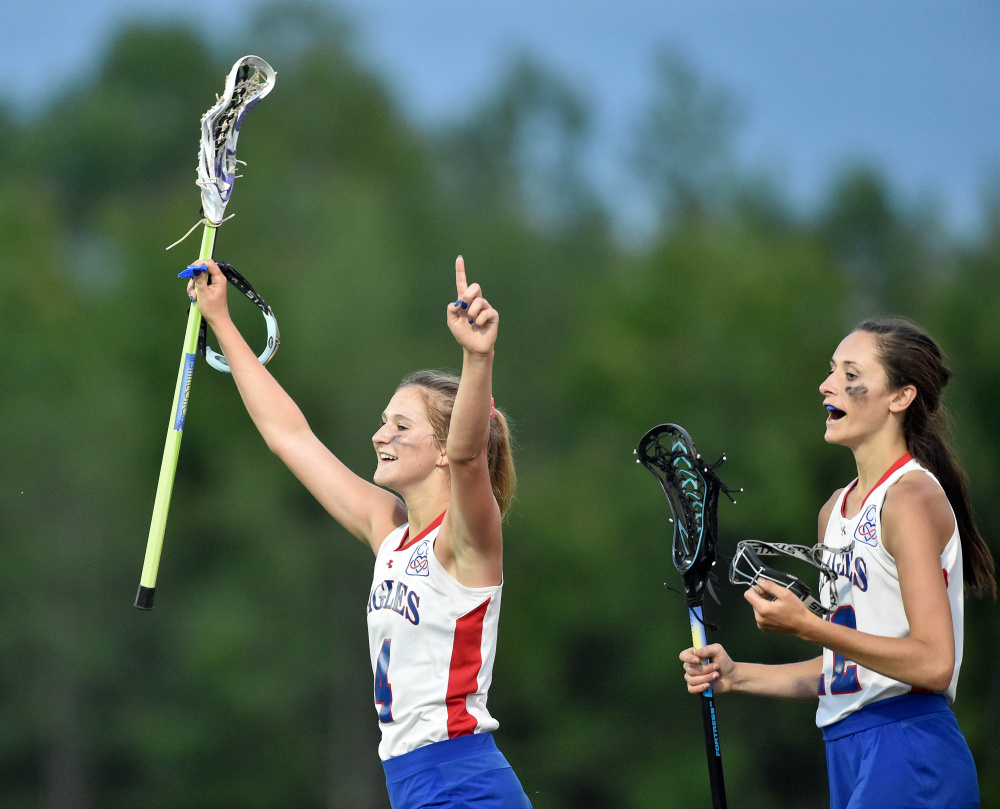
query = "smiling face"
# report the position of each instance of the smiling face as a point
(405, 446)
(856, 396)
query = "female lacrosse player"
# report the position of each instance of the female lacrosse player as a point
(435, 598)
(893, 647)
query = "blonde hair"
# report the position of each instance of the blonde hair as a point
(439, 390)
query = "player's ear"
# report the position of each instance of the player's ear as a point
(902, 399)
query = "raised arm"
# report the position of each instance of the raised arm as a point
(365, 510)
(471, 540)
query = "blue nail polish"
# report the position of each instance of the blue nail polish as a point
(470, 319)
(457, 303)
(191, 298)
(465, 305)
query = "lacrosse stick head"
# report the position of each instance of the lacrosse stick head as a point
(692, 488)
(247, 83)
(747, 568)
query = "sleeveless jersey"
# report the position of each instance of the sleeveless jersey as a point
(869, 600)
(432, 642)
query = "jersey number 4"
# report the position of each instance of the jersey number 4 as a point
(383, 691)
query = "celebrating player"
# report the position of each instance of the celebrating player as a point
(434, 604)
(893, 647)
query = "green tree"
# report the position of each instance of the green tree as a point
(249, 684)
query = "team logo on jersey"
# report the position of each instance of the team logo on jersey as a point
(866, 532)
(418, 565)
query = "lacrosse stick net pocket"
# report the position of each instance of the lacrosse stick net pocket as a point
(247, 83)
(692, 488)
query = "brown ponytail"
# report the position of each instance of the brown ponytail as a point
(911, 357)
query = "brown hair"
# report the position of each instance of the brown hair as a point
(439, 391)
(910, 356)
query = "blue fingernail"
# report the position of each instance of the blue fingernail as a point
(470, 319)
(465, 305)
(192, 271)
(457, 303)
(191, 298)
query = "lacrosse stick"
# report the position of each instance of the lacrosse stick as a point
(247, 83)
(692, 488)
(746, 568)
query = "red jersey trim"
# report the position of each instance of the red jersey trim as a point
(463, 673)
(904, 459)
(405, 543)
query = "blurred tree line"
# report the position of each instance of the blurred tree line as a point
(249, 685)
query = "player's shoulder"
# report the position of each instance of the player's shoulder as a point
(916, 482)
(917, 497)
(915, 491)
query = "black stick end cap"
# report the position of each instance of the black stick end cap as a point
(144, 598)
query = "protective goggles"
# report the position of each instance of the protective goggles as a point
(747, 568)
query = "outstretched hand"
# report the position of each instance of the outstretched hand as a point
(471, 319)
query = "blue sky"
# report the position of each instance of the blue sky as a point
(911, 87)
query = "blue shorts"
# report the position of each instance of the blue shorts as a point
(905, 751)
(467, 771)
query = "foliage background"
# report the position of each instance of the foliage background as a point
(249, 685)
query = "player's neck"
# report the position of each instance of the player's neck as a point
(423, 507)
(874, 458)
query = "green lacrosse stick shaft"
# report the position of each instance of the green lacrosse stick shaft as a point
(172, 447)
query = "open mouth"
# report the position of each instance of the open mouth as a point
(382, 456)
(835, 414)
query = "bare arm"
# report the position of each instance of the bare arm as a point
(916, 525)
(471, 541)
(365, 510)
(798, 681)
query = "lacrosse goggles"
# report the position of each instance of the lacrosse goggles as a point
(215, 359)
(747, 568)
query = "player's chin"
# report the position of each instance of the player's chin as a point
(833, 433)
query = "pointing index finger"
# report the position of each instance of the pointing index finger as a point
(460, 283)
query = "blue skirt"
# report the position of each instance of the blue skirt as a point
(467, 771)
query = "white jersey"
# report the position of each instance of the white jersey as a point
(870, 600)
(432, 642)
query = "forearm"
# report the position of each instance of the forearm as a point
(799, 681)
(272, 410)
(909, 660)
(470, 417)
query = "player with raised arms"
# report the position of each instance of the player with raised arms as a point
(892, 646)
(434, 604)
